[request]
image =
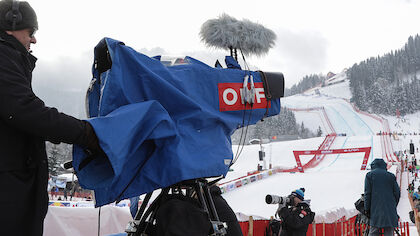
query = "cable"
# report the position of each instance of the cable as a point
(99, 222)
(242, 138)
(238, 153)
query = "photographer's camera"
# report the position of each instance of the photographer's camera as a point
(274, 199)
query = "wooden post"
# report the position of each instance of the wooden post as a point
(251, 226)
(313, 228)
(323, 229)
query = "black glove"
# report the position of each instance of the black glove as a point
(91, 146)
(92, 143)
(280, 207)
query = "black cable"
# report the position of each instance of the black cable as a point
(99, 222)
(243, 144)
(242, 138)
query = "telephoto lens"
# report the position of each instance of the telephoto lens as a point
(274, 199)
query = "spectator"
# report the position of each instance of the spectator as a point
(382, 195)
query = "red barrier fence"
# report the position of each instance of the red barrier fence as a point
(347, 227)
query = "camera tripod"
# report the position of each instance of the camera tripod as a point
(144, 223)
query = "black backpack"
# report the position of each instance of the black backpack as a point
(273, 228)
(180, 215)
(360, 204)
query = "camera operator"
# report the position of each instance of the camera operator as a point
(295, 214)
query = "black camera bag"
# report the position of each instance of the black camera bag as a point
(360, 204)
(181, 215)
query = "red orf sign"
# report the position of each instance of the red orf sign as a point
(230, 97)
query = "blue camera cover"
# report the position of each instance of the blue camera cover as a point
(160, 125)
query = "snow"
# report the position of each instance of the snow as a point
(337, 182)
(69, 177)
(337, 88)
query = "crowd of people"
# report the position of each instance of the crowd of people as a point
(410, 165)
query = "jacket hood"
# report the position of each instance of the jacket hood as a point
(378, 163)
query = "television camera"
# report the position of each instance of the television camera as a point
(170, 120)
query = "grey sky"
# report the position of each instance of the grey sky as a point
(312, 36)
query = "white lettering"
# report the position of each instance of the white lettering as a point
(259, 93)
(234, 98)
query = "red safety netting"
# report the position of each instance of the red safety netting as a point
(345, 227)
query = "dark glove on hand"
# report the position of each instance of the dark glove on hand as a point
(280, 207)
(91, 145)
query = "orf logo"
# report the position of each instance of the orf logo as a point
(230, 97)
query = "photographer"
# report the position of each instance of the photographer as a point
(295, 214)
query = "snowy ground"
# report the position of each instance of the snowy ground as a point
(338, 181)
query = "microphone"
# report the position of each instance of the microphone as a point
(227, 32)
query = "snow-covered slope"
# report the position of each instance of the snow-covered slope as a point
(338, 181)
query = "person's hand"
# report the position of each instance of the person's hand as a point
(92, 148)
(92, 145)
(281, 206)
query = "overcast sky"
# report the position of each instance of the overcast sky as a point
(313, 36)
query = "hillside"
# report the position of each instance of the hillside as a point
(336, 182)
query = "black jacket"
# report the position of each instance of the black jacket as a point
(382, 195)
(295, 220)
(25, 122)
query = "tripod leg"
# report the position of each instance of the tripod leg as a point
(143, 206)
(211, 203)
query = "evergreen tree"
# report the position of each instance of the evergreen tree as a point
(282, 124)
(57, 154)
(384, 83)
(319, 132)
(53, 160)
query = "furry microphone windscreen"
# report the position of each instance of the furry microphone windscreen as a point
(227, 32)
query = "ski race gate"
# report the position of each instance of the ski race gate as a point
(317, 154)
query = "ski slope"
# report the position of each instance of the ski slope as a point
(332, 185)
(337, 181)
